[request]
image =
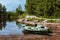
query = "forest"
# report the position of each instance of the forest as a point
(39, 8)
(45, 8)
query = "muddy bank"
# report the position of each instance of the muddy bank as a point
(55, 36)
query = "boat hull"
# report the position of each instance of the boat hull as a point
(43, 32)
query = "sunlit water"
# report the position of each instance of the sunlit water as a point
(11, 28)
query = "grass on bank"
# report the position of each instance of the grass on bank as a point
(53, 21)
(38, 19)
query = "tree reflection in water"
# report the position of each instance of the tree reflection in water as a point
(3, 16)
(2, 23)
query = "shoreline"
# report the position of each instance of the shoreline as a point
(53, 36)
(32, 23)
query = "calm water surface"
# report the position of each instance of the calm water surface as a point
(11, 28)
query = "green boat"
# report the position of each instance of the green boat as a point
(39, 29)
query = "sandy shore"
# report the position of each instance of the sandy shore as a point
(54, 36)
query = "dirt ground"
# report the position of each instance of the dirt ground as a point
(53, 36)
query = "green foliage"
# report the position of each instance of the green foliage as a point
(32, 19)
(15, 15)
(22, 16)
(51, 21)
(3, 16)
(46, 8)
(35, 7)
(57, 21)
(2, 12)
(11, 15)
(19, 10)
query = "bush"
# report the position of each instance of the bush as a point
(23, 15)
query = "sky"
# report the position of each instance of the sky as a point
(11, 5)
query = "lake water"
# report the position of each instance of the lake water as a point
(11, 28)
